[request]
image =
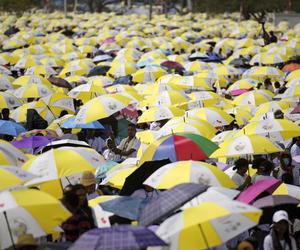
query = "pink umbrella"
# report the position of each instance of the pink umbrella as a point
(296, 110)
(238, 92)
(251, 193)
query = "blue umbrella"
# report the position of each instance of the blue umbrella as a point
(122, 237)
(11, 128)
(70, 123)
(126, 206)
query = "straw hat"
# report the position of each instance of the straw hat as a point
(87, 178)
(26, 240)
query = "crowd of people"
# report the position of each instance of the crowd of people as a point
(201, 60)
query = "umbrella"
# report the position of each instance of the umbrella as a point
(272, 203)
(62, 162)
(135, 180)
(126, 206)
(28, 211)
(6, 82)
(101, 107)
(274, 129)
(253, 192)
(159, 113)
(213, 115)
(245, 145)
(10, 155)
(123, 80)
(59, 82)
(122, 237)
(70, 123)
(240, 62)
(31, 79)
(33, 91)
(168, 202)
(148, 74)
(291, 67)
(9, 101)
(12, 176)
(172, 65)
(179, 147)
(287, 189)
(176, 173)
(207, 225)
(31, 142)
(65, 143)
(98, 71)
(11, 128)
(296, 110)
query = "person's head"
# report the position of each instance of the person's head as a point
(277, 85)
(281, 222)
(66, 130)
(266, 167)
(287, 178)
(278, 114)
(272, 33)
(88, 180)
(63, 113)
(248, 244)
(285, 159)
(109, 143)
(81, 194)
(131, 130)
(5, 114)
(298, 141)
(256, 163)
(26, 241)
(267, 82)
(241, 166)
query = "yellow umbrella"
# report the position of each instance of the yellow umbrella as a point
(148, 74)
(171, 97)
(42, 70)
(9, 155)
(254, 98)
(37, 212)
(6, 82)
(117, 178)
(176, 173)
(101, 107)
(9, 101)
(33, 91)
(32, 79)
(121, 69)
(245, 145)
(287, 189)
(160, 113)
(12, 176)
(198, 228)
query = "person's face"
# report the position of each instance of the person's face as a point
(243, 170)
(131, 131)
(110, 144)
(281, 227)
(81, 196)
(90, 189)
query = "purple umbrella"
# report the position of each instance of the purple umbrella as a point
(123, 237)
(251, 193)
(296, 110)
(169, 201)
(172, 65)
(31, 142)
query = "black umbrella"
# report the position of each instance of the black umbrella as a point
(135, 181)
(60, 82)
(240, 62)
(272, 203)
(169, 201)
(65, 143)
(99, 71)
(123, 80)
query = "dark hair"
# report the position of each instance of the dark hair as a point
(276, 242)
(240, 163)
(287, 178)
(70, 200)
(257, 161)
(267, 166)
(132, 125)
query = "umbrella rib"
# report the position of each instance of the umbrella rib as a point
(203, 235)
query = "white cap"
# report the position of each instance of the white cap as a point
(281, 215)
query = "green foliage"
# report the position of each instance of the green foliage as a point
(18, 5)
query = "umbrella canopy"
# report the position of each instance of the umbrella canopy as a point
(135, 180)
(23, 211)
(9, 101)
(119, 237)
(12, 176)
(31, 142)
(126, 206)
(70, 123)
(200, 228)
(168, 202)
(10, 155)
(176, 173)
(275, 129)
(32, 91)
(287, 189)
(245, 145)
(101, 107)
(59, 82)
(179, 147)
(11, 128)
(62, 162)
(251, 193)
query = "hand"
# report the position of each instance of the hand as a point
(248, 180)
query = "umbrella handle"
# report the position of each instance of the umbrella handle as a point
(9, 231)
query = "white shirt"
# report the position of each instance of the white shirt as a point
(97, 143)
(130, 145)
(110, 155)
(239, 179)
(268, 244)
(258, 177)
(295, 150)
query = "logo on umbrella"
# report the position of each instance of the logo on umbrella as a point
(112, 106)
(11, 101)
(267, 127)
(240, 146)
